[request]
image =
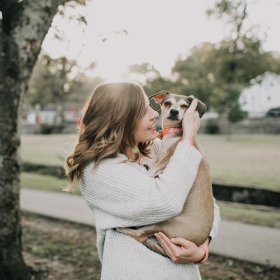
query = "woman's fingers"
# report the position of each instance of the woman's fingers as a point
(170, 248)
(180, 241)
(180, 250)
(166, 239)
(192, 110)
(164, 245)
(193, 105)
(191, 122)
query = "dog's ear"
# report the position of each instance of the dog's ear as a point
(159, 96)
(201, 107)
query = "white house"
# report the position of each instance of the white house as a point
(262, 95)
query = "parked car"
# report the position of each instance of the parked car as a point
(273, 112)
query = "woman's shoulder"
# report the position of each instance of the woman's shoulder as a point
(105, 162)
(118, 163)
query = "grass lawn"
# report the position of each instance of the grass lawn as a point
(245, 159)
(252, 159)
(61, 250)
(250, 216)
(43, 182)
(49, 149)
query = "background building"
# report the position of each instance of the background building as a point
(262, 95)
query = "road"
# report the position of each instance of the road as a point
(241, 241)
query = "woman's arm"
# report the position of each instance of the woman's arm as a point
(133, 198)
(216, 221)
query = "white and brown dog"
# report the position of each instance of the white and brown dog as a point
(195, 221)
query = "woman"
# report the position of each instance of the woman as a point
(117, 129)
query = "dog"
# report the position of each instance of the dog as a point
(194, 223)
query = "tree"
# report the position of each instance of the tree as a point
(23, 26)
(217, 73)
(150, 79)
(57, 81)
(142, 73)
(194, 74)
(239, 57)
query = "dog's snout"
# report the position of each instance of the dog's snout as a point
(174, 112)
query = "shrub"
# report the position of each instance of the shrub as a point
(212, 127)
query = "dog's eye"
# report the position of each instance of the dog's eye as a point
(184, 106)
(167, 103)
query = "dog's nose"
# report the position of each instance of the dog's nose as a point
(174, 112)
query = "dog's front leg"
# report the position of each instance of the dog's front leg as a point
(148, 163)
(155, 171)
(141, 233)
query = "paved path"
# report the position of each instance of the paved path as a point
(241, 241)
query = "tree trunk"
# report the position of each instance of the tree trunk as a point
(23, 27)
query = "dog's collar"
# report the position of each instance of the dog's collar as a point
(169, 131)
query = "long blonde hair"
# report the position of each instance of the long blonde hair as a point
(110, 118)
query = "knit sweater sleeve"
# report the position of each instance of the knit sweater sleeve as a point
(122, 191)
(215, 227)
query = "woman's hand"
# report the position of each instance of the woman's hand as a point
(181, 250)
(191, 122)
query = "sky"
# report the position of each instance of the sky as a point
(157, 32)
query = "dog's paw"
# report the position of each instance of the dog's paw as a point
(146, 166)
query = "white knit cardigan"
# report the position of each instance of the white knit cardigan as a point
(122, 195)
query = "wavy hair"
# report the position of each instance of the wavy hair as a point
(110, 118)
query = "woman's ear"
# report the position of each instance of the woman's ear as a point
(159, 96)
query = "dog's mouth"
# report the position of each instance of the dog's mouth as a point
(173, 118)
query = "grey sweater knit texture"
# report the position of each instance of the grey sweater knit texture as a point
(122, 195)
